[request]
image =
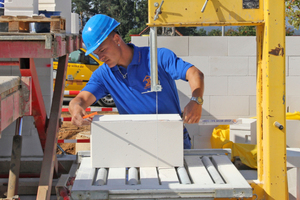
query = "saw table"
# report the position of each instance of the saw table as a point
(206, 174)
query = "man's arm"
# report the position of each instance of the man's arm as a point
(192, 111)
(78, 105)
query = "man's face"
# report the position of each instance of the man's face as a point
(109, 51)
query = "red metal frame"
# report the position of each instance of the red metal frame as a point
(10, 63)
(38, 106)
(27, 49)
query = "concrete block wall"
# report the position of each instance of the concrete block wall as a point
(229, 66)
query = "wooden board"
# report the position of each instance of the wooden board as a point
(21, 24)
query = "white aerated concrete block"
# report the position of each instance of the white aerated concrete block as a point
(229, 106)
(208, 46)
(140, 40)
(252, 66)
(74, 23)
(244, 132)
(292, 101)
(183, 87)
(294, 66)
(242, 46)
(179, 45)
(292, 46)
(242, 85)
(201, 62)
(252, 106)
(137, 140)
(293, 133)
(216, 85)
(20, 7)
(292, 85)
(224, 66)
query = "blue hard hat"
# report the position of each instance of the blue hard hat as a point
(96, 31)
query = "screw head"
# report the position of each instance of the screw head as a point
(156, 4)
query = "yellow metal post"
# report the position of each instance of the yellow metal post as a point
(259, 100)
(273, 146)
(269, 18)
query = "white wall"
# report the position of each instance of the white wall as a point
(229, 66)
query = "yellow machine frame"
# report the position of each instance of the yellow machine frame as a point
(269, 18)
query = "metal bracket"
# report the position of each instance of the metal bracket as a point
(158, 11)
(250, 4)
(204, 6)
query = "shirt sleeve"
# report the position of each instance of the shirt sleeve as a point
(95, 85)
(172, 64)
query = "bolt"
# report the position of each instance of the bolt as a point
(156, 4)
(278, 125)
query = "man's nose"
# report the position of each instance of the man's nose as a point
(101, 57)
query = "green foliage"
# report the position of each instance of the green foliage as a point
(132, 32)
(200, 32)
(289, 31)
(247, 30)
(132, 14)
(231, 32)
(215, 32)
(187, 31)
(293, 12)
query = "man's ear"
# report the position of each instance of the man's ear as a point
(116, 38)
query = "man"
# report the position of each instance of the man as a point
(125, 75)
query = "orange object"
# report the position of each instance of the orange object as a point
(89, 115)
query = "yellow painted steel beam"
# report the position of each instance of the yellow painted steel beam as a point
(259, 101)
(274, 177)
(216, 13)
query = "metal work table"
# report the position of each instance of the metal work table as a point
(207, 174)
(26, 47)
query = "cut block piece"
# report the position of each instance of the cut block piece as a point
(137, 141)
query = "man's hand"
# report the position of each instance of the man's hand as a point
(192, 113)
(77, 116)
(77, 108)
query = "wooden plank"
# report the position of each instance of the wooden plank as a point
(197, 170)
(228, 171)
(116, 176)
(167, 175)
(148, 176)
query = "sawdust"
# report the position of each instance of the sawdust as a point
(70, 131)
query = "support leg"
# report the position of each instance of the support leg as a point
(49, 160)
(13, 180)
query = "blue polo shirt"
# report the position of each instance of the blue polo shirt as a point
(129, 93)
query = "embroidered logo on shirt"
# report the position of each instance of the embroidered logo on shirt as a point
(148, 82)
